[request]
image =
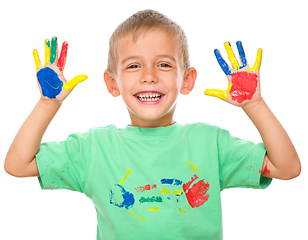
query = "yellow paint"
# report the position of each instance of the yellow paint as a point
(231, 56)
(219, 93)
(177, 192)
(47, 52)
(181, 211)
(153, 209)
(193, 168)
(128, 171)
(132, 213)
(36, 59)
(71, 84)
(257, 65)
(165, 191)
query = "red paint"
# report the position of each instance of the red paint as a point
(266, 170)
(63, 54)
(196, 195)
(145, 188)
(244, 86)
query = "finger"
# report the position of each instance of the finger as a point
(63, 54)
(72, 83)
(257, 65)
(219, 93)
(224, 66)
(53, 50)
(36, 59)
(241, 53)
(47, 51)
(231, 56)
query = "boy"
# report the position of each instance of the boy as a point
(156, 178)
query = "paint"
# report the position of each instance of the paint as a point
(36, 59)
(63, 54)
(197, 194)
(244, 86)
(224, 66)
(128, 171)
(50, 83)
(53, 50)
(69, 86)
(145, 188)
(241, 54)
(132, 213)
(266, 170)
(47, 51)
(165, 191)
(231, 56)
(187, 185)
(171, 181)
(150, 199)
(257, 65)
(181, 211)
(127, 200)
(222, 94)
(177, 192)
(153, 209)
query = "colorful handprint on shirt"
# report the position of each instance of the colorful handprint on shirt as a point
(243, 80)
(194, 190)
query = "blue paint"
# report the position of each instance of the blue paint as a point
(224, 66)
(124, 199)
(51, 84)
(171, 181)
(241, 53)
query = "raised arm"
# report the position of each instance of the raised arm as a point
(281, 160)
(20, 160)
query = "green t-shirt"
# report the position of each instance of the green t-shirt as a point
(153, 183)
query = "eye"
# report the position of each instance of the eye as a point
(164, 65)
(133, 66)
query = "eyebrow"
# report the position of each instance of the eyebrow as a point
(158, 56)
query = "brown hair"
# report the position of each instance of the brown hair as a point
(144, 21)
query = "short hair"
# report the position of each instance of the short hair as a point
(140, 22)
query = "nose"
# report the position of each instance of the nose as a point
(149, 76)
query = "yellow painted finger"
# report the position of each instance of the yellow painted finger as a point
(231, 56)
(71, 84)
(47, 51)
(219, 93)
(36, 59)
(258, 61)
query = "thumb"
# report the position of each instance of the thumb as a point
(72, 83)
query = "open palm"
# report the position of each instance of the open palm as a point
(52, 83)
(243, 81)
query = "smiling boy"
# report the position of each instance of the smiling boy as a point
(155, 178)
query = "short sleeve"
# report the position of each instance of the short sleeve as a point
(240, 162)
(64, 165)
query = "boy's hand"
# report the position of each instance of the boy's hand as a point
(50, 77)
(244, 82)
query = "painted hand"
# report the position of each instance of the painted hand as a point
(244, 82)
(50, 77)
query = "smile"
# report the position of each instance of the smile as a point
(149, 96)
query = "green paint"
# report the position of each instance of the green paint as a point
(53, 50)
(48, 43)
(150, 199)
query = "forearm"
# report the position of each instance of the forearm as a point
(28, 139)
(283, 159)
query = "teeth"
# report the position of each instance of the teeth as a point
(149, 97)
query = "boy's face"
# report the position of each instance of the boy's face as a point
(149, 77)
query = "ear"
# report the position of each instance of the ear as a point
(111, 84)
(189, 81)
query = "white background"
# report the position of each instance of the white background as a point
(278, 27)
